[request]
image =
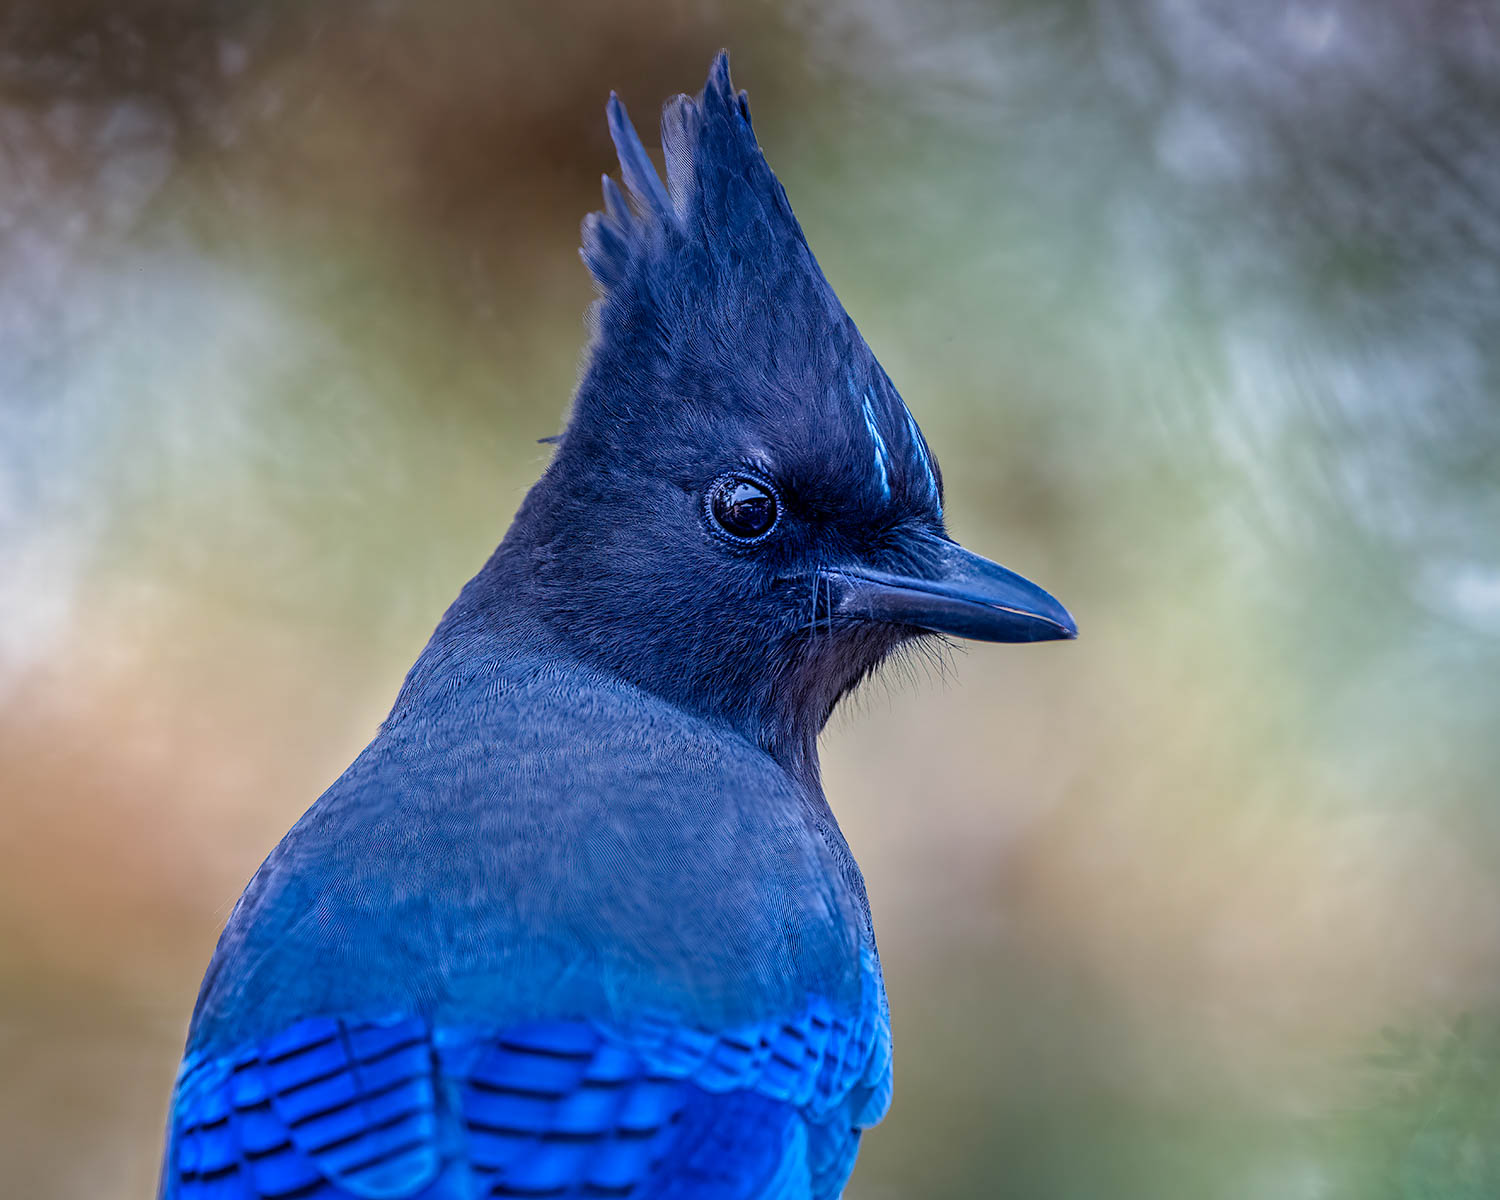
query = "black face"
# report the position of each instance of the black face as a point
(872, 565)
(765, 587)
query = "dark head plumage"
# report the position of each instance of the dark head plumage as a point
(721, 200)
(721, 358)
(708, 281)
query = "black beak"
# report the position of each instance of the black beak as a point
(955, 592)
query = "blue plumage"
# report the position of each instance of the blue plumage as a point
(579, 922)
(333, 1107)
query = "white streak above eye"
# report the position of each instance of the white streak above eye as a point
(881, 453)
(921, 448)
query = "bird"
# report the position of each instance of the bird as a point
(579, 921)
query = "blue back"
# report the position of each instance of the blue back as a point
(541, 903)
(547, 842)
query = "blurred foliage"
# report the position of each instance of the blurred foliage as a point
(1198, 304)
(1429, 1127)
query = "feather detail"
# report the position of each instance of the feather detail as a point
(332, 1108)
(635, 164)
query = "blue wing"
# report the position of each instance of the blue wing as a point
(398, 1108)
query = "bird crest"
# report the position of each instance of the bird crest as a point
(720, 201)
(710, 269)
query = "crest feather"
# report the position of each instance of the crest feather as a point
(719, 199)
(636, 167)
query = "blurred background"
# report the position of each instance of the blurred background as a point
(1199, 305)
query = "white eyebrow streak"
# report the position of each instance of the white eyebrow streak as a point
(921, 445)
(881, 453)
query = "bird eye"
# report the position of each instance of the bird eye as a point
(743, 508)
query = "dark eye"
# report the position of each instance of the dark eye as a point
(744, 508)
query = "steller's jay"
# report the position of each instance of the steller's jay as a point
(579, 922)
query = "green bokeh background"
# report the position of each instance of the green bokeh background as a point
(1199, 306)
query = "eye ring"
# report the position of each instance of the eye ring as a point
(742, 507)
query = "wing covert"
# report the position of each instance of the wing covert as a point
(391, 1109)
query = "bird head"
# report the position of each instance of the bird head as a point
(742, 513)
